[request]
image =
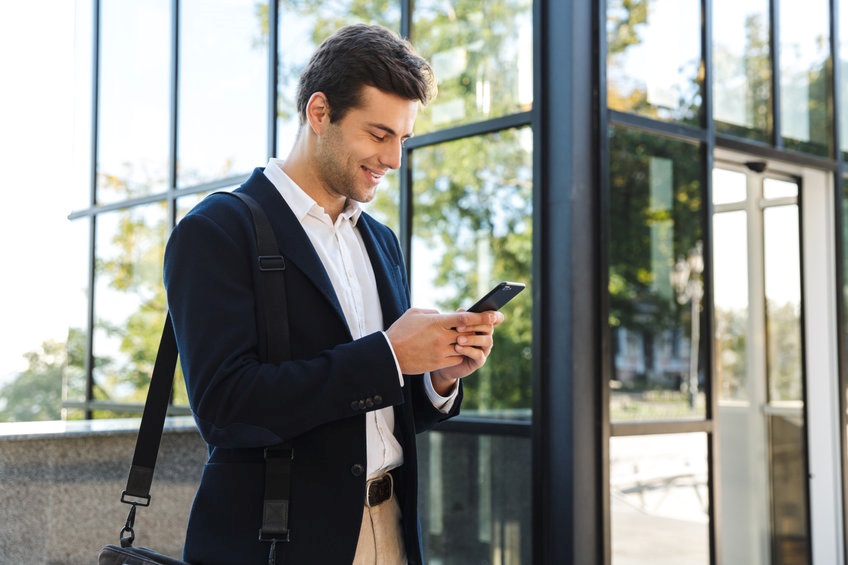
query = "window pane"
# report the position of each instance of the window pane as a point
(472, 227)
(223, 107)
(129, 300)
(302, 27)
(134, 98)
(742, 74)
(842, 87)
(775, 188)
(783, 303)
(482, 55)
(659, 498)
(75, 379)
(37, 303)
(82, 46)
(655, 277)
(475, 498)
(729, 186)
(804, 75)
(654, 58)
(730, 292)
(386, 204)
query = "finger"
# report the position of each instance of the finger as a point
(475, 355)
(464, 320)
(475, 340)
(479, 342)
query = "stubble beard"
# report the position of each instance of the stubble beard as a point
(340, 175)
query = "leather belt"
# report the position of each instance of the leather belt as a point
(378, 490)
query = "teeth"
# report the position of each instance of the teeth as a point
(374, 174)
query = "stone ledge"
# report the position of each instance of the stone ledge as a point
(61, 428)
(61, 483)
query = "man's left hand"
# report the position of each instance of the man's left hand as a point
(473, 343)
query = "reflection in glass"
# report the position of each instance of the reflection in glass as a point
(742, 68)
(759, 368)
(134, 98)
(775, 188)
(805, 76)
(475, 498)
(223, 65)
(654, 58)
(303, 25)
(783, 303)
(728, 186)
(655, 206)
(730, 295)
(129, 300)
(842, 87)
(482, 56)
(659, 500)
(472, 227)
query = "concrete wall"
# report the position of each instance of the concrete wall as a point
(61, 483)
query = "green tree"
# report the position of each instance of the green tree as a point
(36, 393)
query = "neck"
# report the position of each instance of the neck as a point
(301, 169)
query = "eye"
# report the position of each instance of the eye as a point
(378, 137)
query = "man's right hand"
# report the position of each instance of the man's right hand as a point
(425, 340)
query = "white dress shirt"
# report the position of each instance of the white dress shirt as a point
(340, 247)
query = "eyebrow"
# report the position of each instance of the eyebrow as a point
(388, 130)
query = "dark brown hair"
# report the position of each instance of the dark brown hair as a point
(359, 55)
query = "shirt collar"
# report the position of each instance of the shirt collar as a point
(301, 203)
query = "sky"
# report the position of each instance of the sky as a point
(37, 72)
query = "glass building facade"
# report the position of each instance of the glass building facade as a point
(670, 177)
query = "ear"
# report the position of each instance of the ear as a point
(318, 112)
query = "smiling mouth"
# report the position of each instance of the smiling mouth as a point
(375, 176)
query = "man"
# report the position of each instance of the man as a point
(367, 373)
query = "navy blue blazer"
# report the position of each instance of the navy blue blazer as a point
(242, 404)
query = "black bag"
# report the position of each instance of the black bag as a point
(116, 555)
(275, 527)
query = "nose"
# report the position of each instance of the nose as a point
(392, 154)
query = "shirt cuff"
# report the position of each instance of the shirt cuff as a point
(442, 403)
(397, 365)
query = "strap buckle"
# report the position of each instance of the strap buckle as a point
(272, 263)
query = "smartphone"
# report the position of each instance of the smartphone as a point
(497, 297)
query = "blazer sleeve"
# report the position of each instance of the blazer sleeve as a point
(237, 400)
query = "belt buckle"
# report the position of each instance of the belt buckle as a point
(381, 488)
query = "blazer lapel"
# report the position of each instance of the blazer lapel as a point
(387, 272)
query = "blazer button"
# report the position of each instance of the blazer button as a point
(369, 403)
(357, 470)
(354, 405)
(361, 405)
(378, 400)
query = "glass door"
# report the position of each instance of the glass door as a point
(763, 512)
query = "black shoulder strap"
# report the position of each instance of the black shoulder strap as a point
(140, 476)
(274, 320)
(273, 315)
(272, 284)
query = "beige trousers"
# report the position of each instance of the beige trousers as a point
(381, 535)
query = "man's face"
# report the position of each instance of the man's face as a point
(355, 152)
